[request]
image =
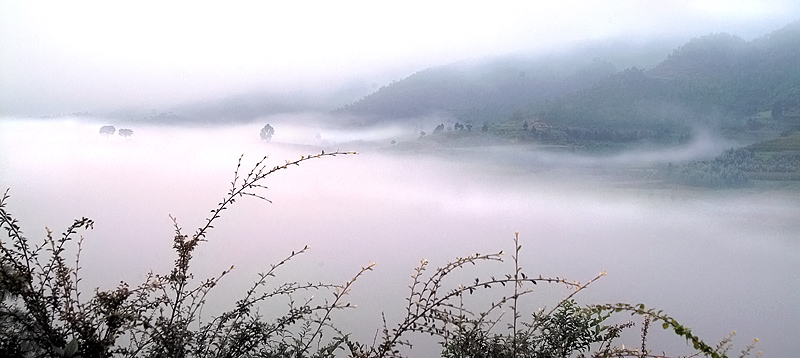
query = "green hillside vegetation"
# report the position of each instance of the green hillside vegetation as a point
(495, 89)
(771, 160)
(718, 81)
(520, 130)
(715, 79)
(477, 92)
(786, 143)
(775, 159)
(747, 90)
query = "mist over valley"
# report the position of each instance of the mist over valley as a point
(661, 150)
(680, 249)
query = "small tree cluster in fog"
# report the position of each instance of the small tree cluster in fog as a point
(709, 174)
(730, 169)
(110, 130)
(267, 132)
(107, 130)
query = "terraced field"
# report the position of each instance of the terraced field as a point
(776, 159)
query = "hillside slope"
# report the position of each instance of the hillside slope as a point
(715, 79)
(495, 89)
(719, 79)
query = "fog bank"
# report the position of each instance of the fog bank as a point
(718, 261)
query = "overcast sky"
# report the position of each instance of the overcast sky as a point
(65, 56)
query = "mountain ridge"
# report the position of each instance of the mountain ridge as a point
(709, 78)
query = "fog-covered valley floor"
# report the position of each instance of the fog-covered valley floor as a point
(717, 261)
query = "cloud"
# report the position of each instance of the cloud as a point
(88, 55)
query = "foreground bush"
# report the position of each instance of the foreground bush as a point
(42, 312)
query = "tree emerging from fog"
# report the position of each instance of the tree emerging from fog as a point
(125, 132)
(107, 130)
(267, 132)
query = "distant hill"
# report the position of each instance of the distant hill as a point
(496, 89)
(711, 79)
(714, 79)
(473, 94)
(247, 106)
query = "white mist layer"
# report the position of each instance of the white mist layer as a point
(718, 261)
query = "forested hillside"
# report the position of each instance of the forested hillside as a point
(498, 88)
(477, 92)
(711, 79)
(718, 79)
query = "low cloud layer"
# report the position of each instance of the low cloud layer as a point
(716, 260)
(99, 56)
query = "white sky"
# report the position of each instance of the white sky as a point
(63, 56)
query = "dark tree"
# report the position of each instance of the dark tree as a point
(485, 127)
(267, 132)
(525, 126)
(107, 130)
